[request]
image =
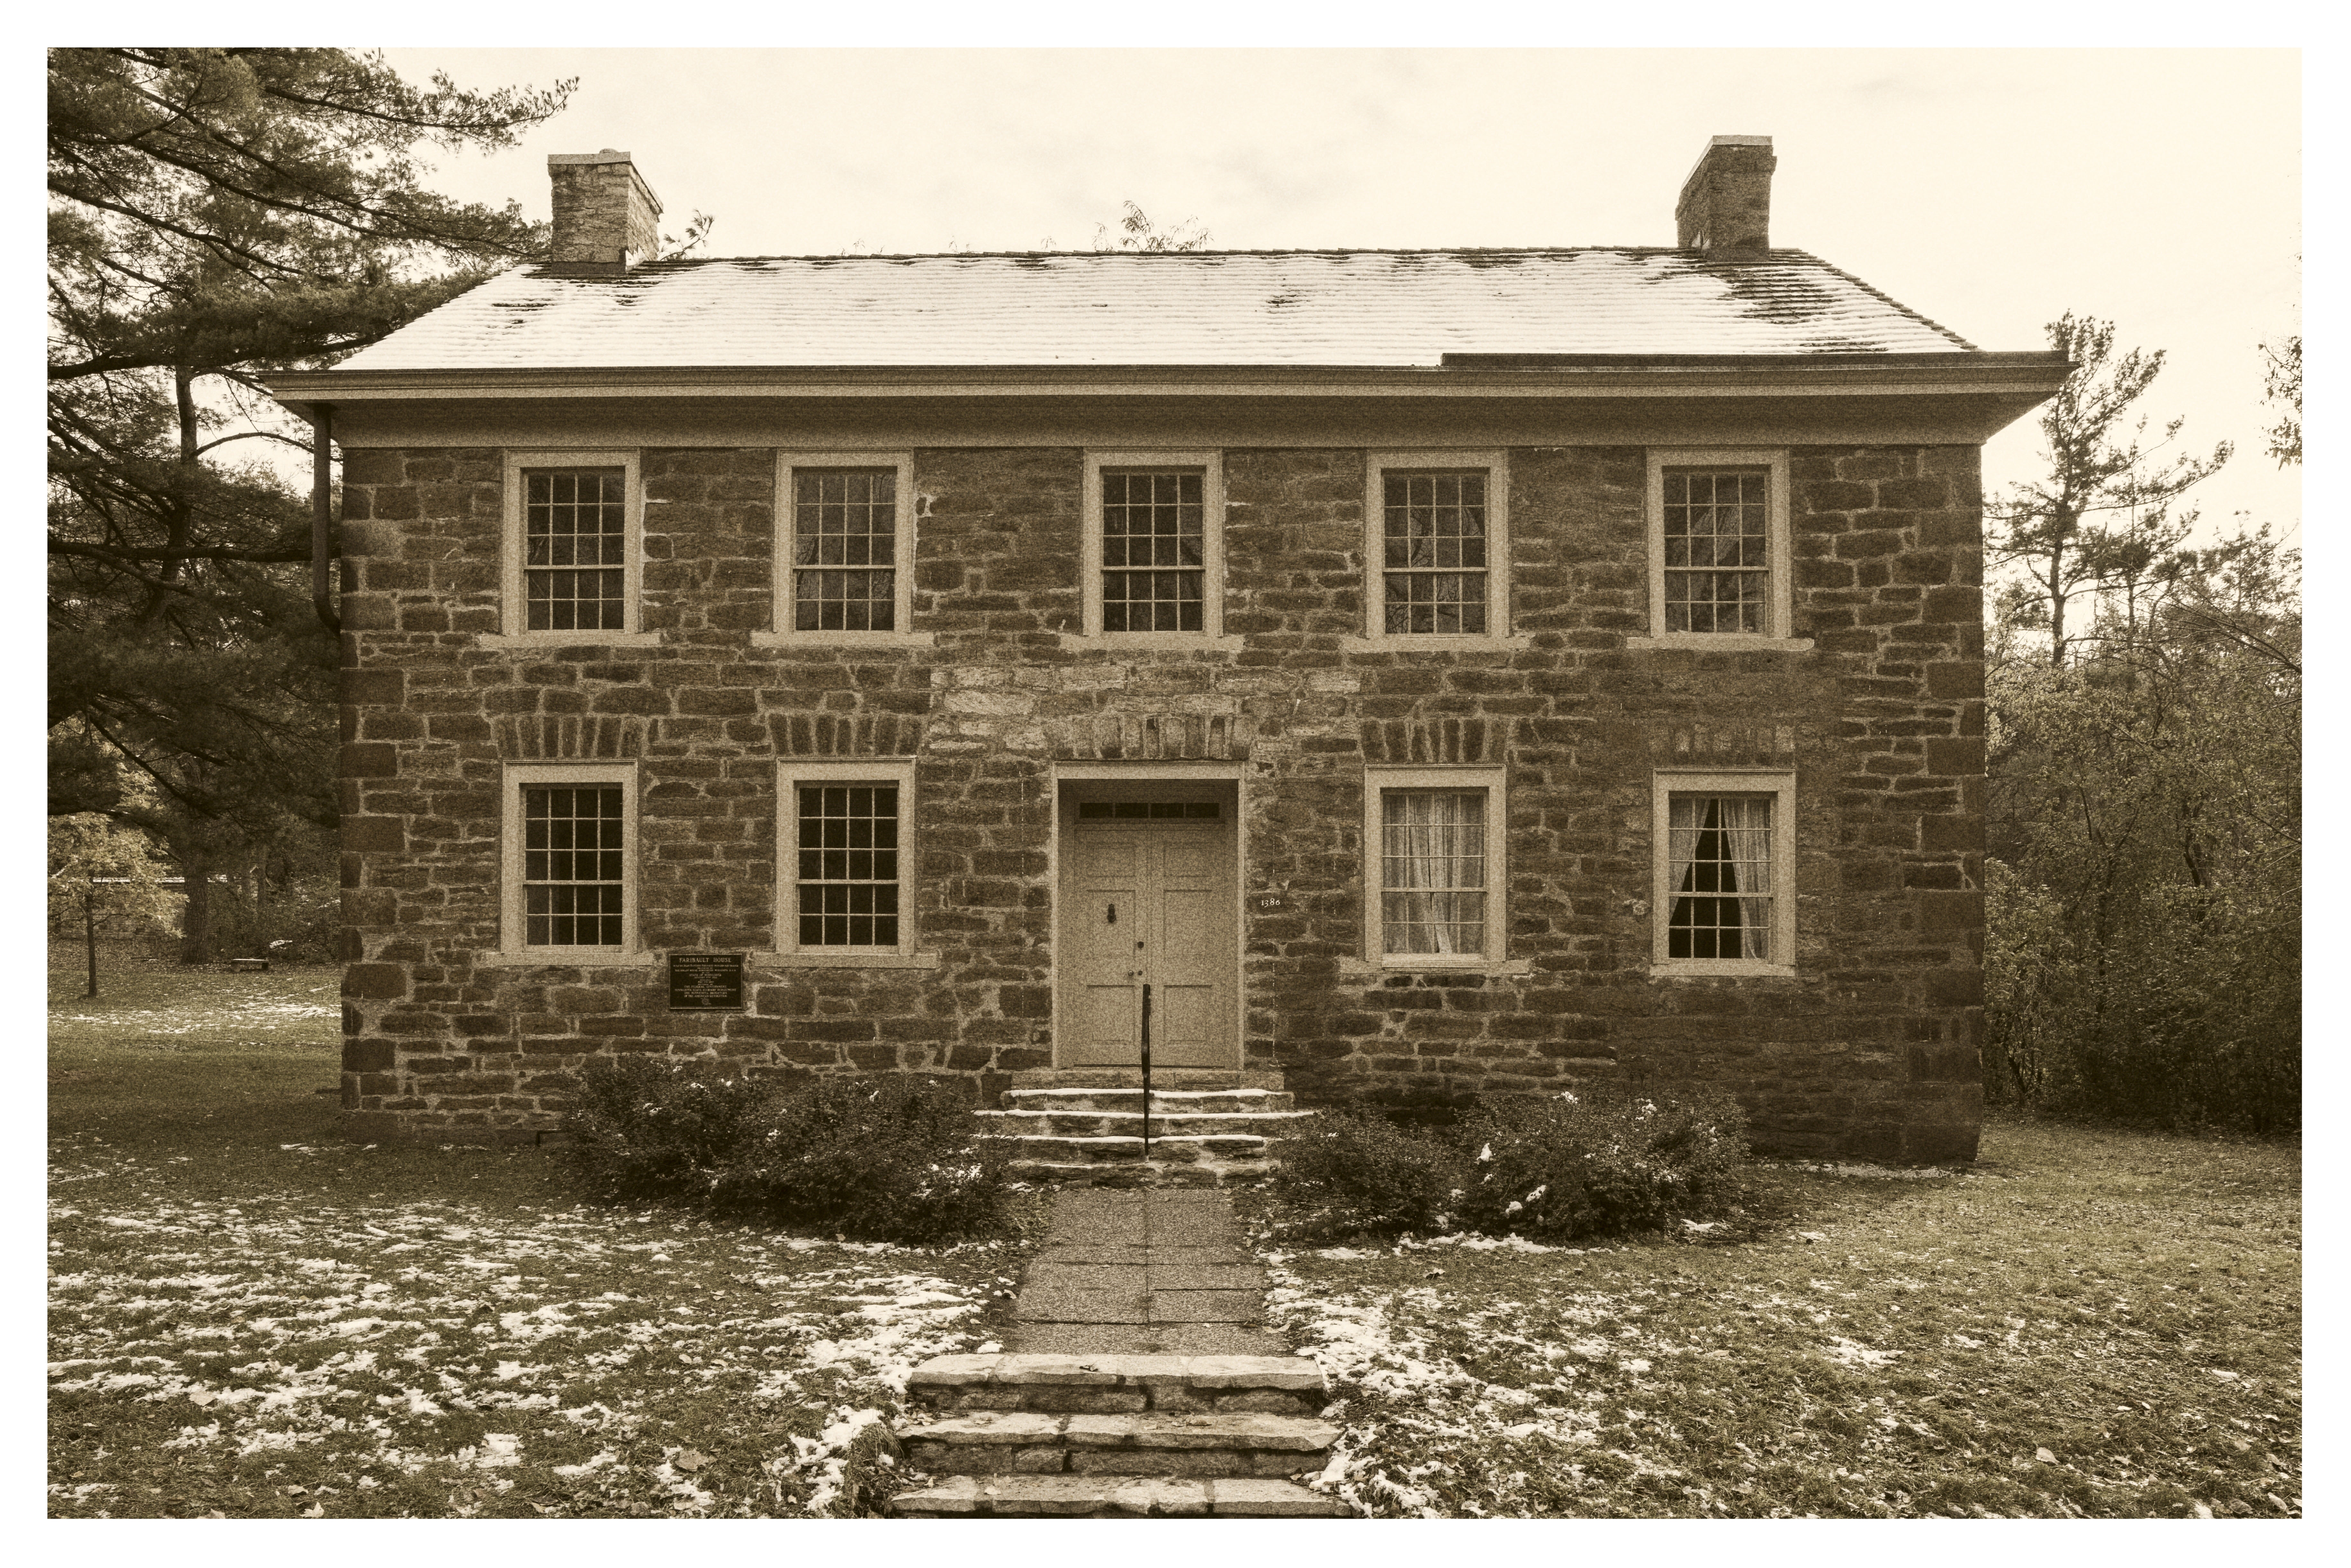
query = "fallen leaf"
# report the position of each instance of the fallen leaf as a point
(2044, 1456)
(690, 1461)
(2203, 1510)
(315, 1511)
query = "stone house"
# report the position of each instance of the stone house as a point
(1417, 674)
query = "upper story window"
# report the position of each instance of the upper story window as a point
(575, 572)
(844, 549)
(1154, 550)
(1153, 563)
(573, 547)
(1440, 544)
(1718, 548)
(1433, 552)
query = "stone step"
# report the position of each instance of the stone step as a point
(1175, 1150)
(1106, 1123)
(1115, 1497)
(1119, 1385)
(1143, 1443)
(1179, 1101)
(1142, 1173)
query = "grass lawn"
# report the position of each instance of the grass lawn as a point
(2090, 1323)
(251, 1318)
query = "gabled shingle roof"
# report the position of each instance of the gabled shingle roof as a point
(1199, 307)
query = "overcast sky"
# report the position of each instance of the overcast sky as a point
(1988, 190)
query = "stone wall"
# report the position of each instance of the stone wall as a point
(1869, 1050)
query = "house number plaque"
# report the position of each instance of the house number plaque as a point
(705, 982)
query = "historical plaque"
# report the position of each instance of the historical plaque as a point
(705, 982)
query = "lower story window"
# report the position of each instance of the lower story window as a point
(1433, 880)
(1719, 868)
(569, 832)
(1433, 872)
(1725, 898)
(574, 895)
(848, 875)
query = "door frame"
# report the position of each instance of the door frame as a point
(1141, 777)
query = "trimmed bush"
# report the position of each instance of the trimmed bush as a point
(882, 1159)
(1597, 1161)
(1357, 1172)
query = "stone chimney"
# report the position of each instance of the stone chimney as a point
(1725, 203)
(607, 219)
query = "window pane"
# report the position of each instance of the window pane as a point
(848, 886)
(1718, 865)
(1433, 552)
(1432, 871)
(1153, 551)
(575, 538)
(573, 887)
(844, 550)
(1717, 543)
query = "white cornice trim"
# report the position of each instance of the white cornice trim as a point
(1958, 375)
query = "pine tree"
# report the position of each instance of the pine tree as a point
(214, 215)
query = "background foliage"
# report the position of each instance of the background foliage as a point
(2145, 833)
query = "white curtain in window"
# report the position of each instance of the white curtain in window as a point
(1682, 822)
(1434, 855)
(1746, 834)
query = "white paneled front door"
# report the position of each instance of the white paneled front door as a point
(1148, 904)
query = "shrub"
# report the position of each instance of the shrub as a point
(885, 1159)
(1358, 1172)
(1597, 1161)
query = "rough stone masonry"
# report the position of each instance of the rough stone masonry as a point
(1870, 1050)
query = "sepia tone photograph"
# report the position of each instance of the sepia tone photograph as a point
(1258, 784)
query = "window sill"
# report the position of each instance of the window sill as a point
(1430, 642)
(1718, 968)
(1721, 643)
(817, 958)
(1152, 643)
(1423, 962)
(821, 640)
(548, 958)
(568, 639)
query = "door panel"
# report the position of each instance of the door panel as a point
(1103, 923)
(1171, 890)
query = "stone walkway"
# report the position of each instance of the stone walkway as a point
(1150, 1272)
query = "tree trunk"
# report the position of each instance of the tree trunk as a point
(196, 925)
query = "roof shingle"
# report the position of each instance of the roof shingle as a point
(1199, 307)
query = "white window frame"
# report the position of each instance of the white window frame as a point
(1211, 465)
(790, 773)
(1779, 577)
(1496, 465)
(1781, 786)
(1490, 781)
(784, 634)
(515, 778)
(513, 603)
